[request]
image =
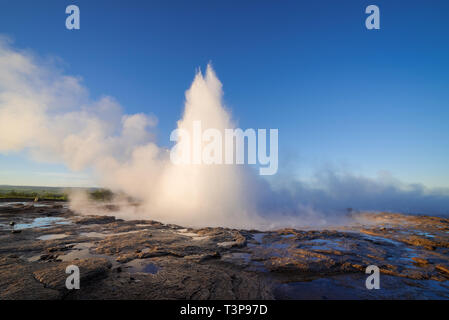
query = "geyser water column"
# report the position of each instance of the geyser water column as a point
(201, 194)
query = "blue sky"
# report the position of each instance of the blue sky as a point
(340, 95)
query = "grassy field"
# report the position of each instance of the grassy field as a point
(49, 193)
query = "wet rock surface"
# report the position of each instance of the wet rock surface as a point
(149, 260)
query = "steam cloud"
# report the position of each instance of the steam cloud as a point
(51, 116)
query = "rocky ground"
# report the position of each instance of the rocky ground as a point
(149, 260)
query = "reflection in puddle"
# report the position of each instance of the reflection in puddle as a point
(42, 223)
(41, 205)
(270, 243)
(79, 251)
(351, 286)
(52, 236)
(82, 251)
(380, 239)
(324, 244)
(259, 237)
(425, 234)
(194, 236)
(277, 245)
(94, 234)
(104, 235)
(150, 268)
(141, 266)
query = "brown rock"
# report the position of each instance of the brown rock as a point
(55, 277)
(442, 268)
(420, 260)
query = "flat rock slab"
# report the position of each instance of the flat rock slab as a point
(145, 259)
(17, 282)
(54, 277)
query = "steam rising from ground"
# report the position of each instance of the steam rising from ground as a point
(51, 116)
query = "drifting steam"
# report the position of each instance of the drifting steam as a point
(51, 116)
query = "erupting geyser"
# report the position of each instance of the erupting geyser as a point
(188, 194)
(50, 115)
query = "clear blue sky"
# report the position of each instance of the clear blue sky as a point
(368, 101)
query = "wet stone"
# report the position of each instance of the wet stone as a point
(145, 259)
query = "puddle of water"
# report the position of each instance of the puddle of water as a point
(198, 238)
(104, 235)
(324, 244)
(79, 251)
(324, 288)
(39, 205)
(425, 234)
(7, 204)
(82, 251)
(94, 234)
(42, 223)
(277, 245)
(141, 266)
(352, 286)
(380, 239)
(187, 234)
(404, 258)
(127, 232)
(151, 268)
(192, 235)
(269, 245)
(259, 237)
(266, 244)
(52, 236)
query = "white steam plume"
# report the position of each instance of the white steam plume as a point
(51, 116)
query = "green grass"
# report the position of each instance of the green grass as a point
(42, 195)
(101, 195)
(49, 193)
